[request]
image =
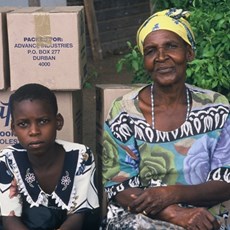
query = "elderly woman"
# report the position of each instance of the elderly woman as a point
(166, 157)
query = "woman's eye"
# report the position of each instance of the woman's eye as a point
(149, 51)
(171, 46)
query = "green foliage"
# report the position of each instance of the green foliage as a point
(211, 25)
(133, 61)
(211, 67)
(166, 4)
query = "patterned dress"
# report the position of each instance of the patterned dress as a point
(74, 193)
(136, 155)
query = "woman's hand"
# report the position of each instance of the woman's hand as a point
(157, 203)
(126, 197)
(189, 218)
(152, 200)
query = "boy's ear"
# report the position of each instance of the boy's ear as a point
(60, 121)
(12, 127)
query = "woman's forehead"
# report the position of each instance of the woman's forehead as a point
(160, 36)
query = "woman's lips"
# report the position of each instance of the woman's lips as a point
(164, 69)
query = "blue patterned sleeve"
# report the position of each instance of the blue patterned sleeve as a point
(222, 156)
(120, 159)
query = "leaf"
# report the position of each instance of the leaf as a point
(210, 69)
(119, 66)
(134, 53)
(220, 23)
(214, 84)
(135, 65)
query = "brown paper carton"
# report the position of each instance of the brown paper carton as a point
(47, 46)
(4, 54)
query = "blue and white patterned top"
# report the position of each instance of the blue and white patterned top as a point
(75, 191)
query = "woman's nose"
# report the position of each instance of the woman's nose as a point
(161, 54)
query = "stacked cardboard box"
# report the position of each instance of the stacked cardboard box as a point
(6, 136)
(33, 2)
(47, 46)
(4, 54)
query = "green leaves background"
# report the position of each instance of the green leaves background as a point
(210, 21)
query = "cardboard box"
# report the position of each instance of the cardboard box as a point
(70, 106)
(47, 46)
(23, 3)
(105, 95)
(4, 54)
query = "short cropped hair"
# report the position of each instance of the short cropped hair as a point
(33, 91)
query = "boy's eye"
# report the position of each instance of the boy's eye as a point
(43, 121)
(22, 124)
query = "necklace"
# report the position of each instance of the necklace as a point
(152, 104)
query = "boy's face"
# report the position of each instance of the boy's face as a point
(35, 125)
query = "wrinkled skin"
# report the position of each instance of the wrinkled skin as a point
(189, 218)
(161, 203)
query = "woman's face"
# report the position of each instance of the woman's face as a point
(166, 56)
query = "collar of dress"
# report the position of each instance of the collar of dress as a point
(64, 194)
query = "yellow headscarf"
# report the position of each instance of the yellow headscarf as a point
(172, 20)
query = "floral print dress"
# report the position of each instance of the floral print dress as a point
(136, 155)
(21, 195)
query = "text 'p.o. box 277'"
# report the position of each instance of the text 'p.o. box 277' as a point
(47, 46)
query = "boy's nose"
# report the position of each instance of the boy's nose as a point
(34, 130)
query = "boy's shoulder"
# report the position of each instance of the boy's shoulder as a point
(11, 148)
(70, 146)
(77, 151)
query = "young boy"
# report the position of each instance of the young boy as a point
(44, 183)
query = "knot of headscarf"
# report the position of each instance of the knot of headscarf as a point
(173, 20)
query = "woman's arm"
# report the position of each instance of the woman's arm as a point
(154, 200)
(206, 194)
(192, 218)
